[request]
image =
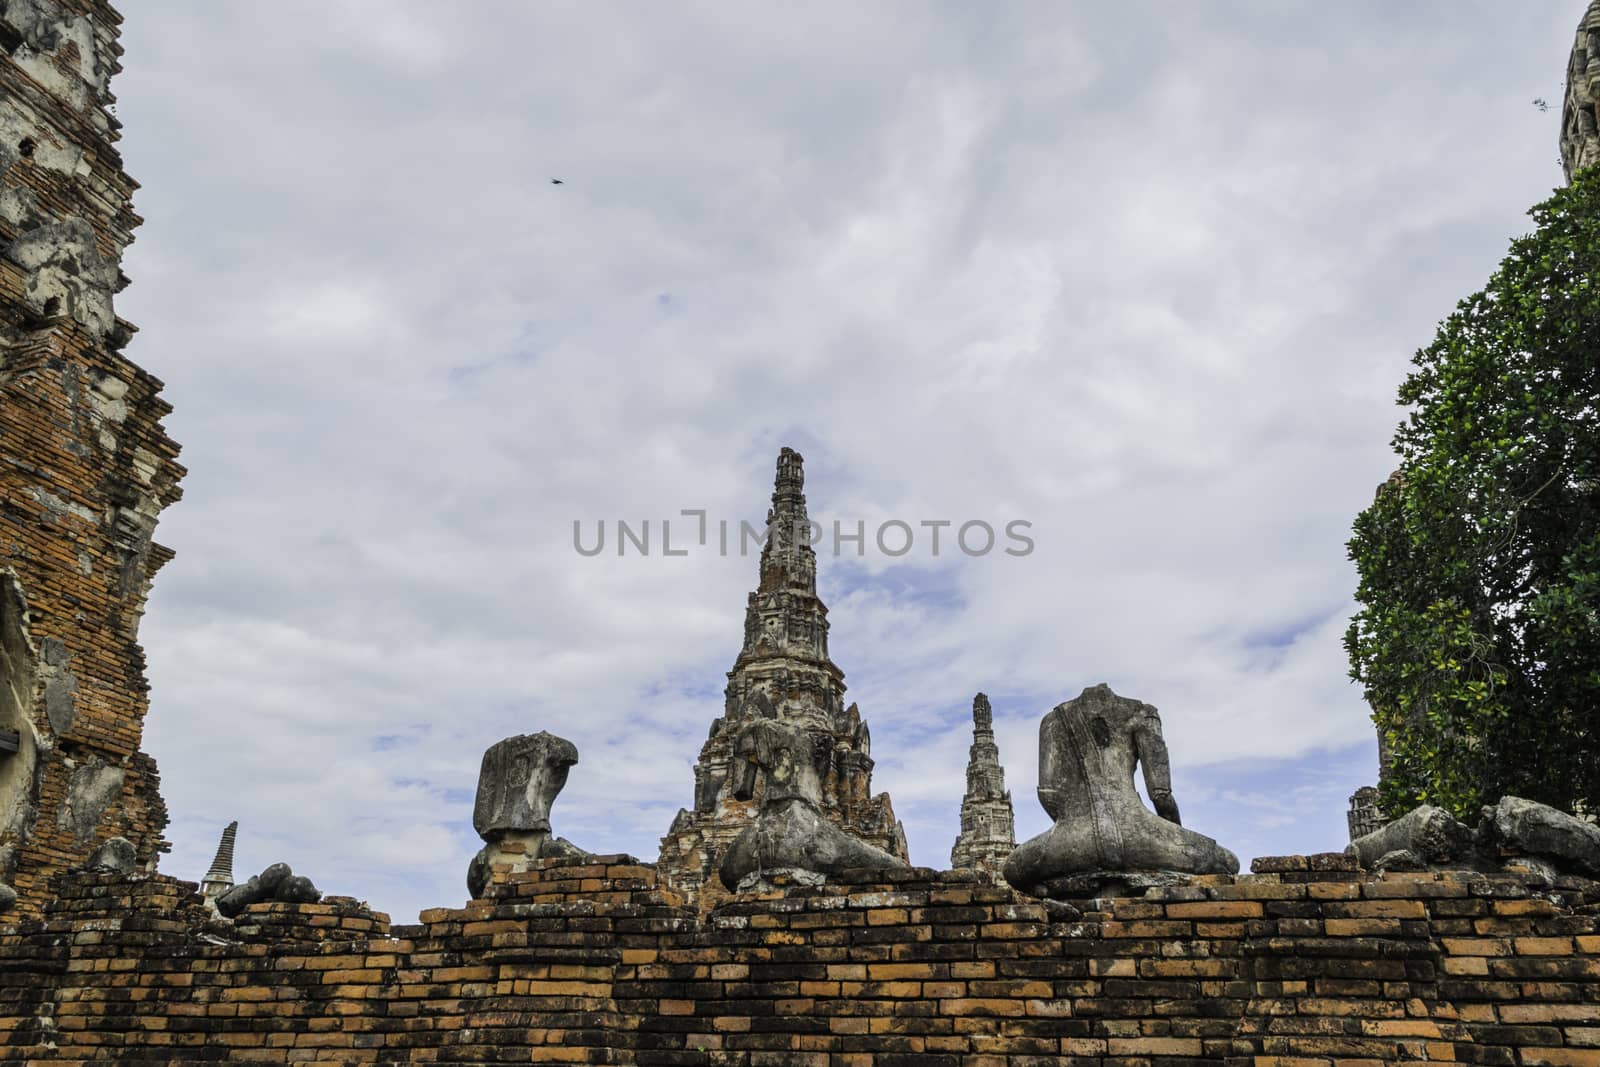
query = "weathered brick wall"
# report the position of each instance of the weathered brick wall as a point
(1306, 963)
(85, 466)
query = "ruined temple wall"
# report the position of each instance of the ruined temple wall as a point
(85, 466)
(588, 962)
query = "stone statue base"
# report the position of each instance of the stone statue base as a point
(791, 833)
(519, 852)
(776, 879)
(1089, 885)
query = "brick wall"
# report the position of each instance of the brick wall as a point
(1306, 963)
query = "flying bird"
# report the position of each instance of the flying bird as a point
(557, 181)
(1539, 103)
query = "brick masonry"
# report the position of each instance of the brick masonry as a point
(1306, 962)
(85, 466)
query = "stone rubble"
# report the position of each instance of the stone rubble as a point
(277, 883)
(1534, 839)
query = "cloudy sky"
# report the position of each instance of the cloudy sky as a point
(1143, 275)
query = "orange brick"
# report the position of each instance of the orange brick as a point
(1215, 909)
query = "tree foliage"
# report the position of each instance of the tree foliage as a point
(1478, 635)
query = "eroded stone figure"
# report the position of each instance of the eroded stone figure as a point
(277, 883)
(1088, 750)
(789, 832)
(1514, 834)
(518, 781)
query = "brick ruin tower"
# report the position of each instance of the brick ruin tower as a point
(783, 672)
(988, 830)
(1580, 111)
(85, 467)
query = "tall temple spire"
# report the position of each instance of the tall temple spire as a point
(219, 879)
(784, 658)
(988, 831)
(783, 671)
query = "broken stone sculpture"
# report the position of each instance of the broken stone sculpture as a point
(518, 781)
(789, 833)
(1514, 833)
(1103, 834)
(1527, 828)
(1422, 836)
(115, 855)
(276, 883)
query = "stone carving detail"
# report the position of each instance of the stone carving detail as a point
(518, 781)
(115, 855)
(219, 877)
(783, 673)
(988, 827)
(91, 789)
(1088, 750)
(789, 832)
(66, 275)
(277, 883)
(1580, 137)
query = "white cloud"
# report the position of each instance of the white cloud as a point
(1145, 277)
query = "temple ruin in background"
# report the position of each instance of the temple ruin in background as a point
(1580, 110)
(85, 467)
(988, 824)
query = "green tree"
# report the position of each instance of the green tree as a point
(1477, 640)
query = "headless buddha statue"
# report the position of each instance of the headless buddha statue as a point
(1088, 751)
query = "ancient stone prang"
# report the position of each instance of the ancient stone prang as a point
(86, 468)
(789, 834)
(1580, 130)
(988, 828)
(518, 781)
(1088, 750)
(277, 883)
(219, 876)
(1363, 816)
(783, 673)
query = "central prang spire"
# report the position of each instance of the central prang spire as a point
(783, 665)
(787, 560)
(783, 672)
